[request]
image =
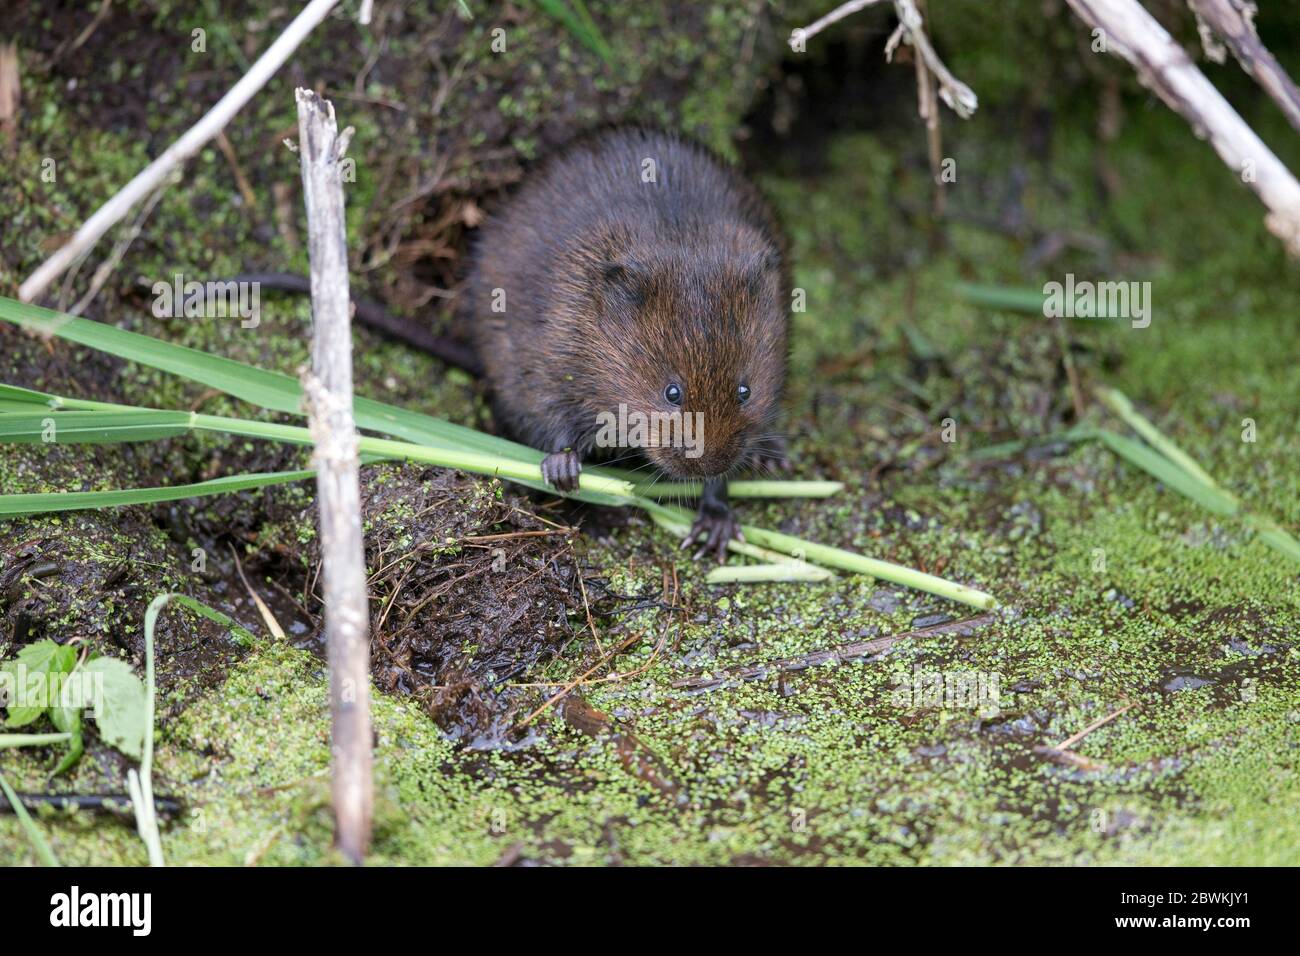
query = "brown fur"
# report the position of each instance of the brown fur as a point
(614, 287)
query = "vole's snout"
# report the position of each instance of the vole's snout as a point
(707, 459)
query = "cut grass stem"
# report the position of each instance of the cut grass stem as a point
(427, 440)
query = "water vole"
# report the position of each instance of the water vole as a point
(636, 278)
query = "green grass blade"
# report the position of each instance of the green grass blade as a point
(1001, 297)
(1008, 299)
(1274, 535)
(677, 520)
(1078, 433)
(79, 428)
(46, 502)
(146, 816)
(32, 740)
(1162, 469)
(1269, 531)
(141, 785)
(270, 390)
(739, 489)
(1118, 402)
(38, 842)
(143, 423)
(580, 25)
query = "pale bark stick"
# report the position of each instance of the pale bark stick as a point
(797, 37)
(1234, 22)
(328, 388)
(928, 106)
(148, 179)
(1164, 67)
(959, 97)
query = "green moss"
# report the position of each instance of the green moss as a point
(1114, 590)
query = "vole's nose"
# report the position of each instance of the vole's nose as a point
(707, 460)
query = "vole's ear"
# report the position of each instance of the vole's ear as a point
(622, 279)
(760, 269)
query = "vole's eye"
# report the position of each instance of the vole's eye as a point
(673, 394)
(742, 393)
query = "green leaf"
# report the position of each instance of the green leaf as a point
(212, 614)
(68, 720)
(42, 660)
(581, 25)
(120, 707)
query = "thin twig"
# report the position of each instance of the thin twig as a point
(87, 31)
(148, 179)
(107, 267)
(591, 623)
(961, 99)
(480, 538)
(835, 16)
(1234, 22)
(831, 655)
(268, 618)
(928, 107)
(560, 694)
(1069, 742)
(241, 181)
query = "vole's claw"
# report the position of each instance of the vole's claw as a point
(562, 468)
(713, 531)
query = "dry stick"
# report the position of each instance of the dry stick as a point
(152, 175)
(1234, 21)
(65, 48)
(1164, 67)
(268, 618)
(839, 13)
(328, 389)
(563, 691)
(109, 265)
(10, 84)
(928, 107)
(831, 655)
(1069, 742)
(241, 181)
(959, 97)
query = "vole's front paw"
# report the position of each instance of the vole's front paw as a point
(562, 468)
(713, 528)
(772, 457)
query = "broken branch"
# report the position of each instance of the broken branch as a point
(1164, 67)
(328, 390)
